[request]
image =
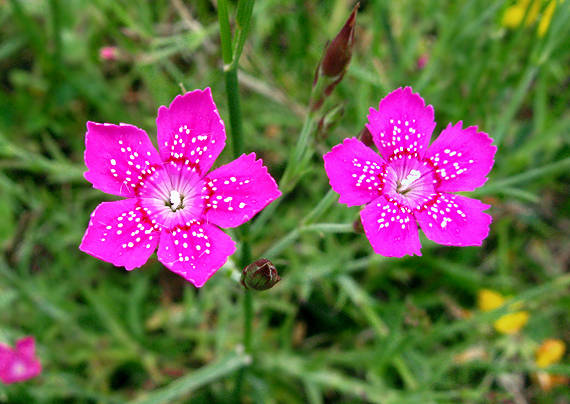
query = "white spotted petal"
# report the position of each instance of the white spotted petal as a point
(118, 158)
(355, 171)
(232, 194)
(120, 233)
(191, 131)
(195, 252)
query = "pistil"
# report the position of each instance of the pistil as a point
(175, 201)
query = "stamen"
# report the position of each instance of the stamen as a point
(175, 200)
(404, 185)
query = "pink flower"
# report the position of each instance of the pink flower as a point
(173, 202)
(109, 53)
(411, 181)
(422, 61)
(19, 364)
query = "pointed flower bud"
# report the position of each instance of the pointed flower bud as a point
(366, 137)
(338, 53)
(260, 275)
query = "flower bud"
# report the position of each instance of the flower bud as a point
(260, 275)
(422, 61)
(357, 226)
(366, 137)
(338, 53)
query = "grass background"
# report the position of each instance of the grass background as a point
(343, 325)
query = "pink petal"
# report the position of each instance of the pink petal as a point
(455, 220)
(120, 233)
(462, 158)
(195, 252)
(354, 171)
(19, 364)
(19, 369)
(26, 346)
(390, 228)
(116, 156)
(237, 191)
(402, 123)
(191, 130)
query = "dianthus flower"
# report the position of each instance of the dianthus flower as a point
(173, 202)
(410, 182)
(20, 363)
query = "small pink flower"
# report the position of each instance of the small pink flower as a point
(109, 53)
(422, 61)
(173, 202)
(19, 364)
(411, 181)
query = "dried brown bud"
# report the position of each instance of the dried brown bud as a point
(338, 53)
(260, 275)
(366, 137)
(357, 226)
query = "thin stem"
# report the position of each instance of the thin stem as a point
(290, 176)
(248, 317)
(502, 184)
(225, 33)
(231, 63)
(290, 237)
(232, 90)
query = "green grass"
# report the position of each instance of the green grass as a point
(343, 325)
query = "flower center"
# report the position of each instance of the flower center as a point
(404, 186)
(175, 201)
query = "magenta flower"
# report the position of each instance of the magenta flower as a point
(109, 53)
(173, 202)
(19, 364)
(411, 180)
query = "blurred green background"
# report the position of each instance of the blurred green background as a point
(344, 325)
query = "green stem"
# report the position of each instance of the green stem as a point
(290, 176)
(225, 33)
(192, 381)
(231, 63)
(232, 91)
(500, 185)
(290, 237)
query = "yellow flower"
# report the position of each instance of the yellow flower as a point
(546, 18)
(511, 323)
(550, 352)
(514, 14)
(488, 300)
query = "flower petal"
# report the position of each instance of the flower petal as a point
(26, 347)
(191, 130)
(120, 233)
(355, 171)
(390, 228)
(195, 252)
(116, 156)
(402, 123)
(237, 191)
(462, 158)
(19, 364)
(455, 220)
